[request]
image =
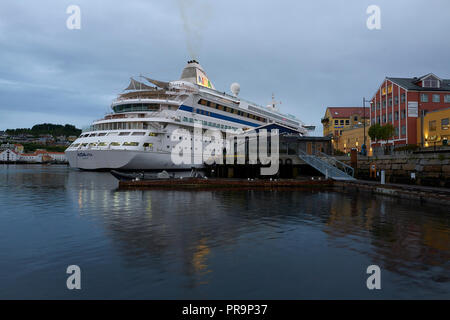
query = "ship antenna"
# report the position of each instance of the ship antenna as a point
(274, 102)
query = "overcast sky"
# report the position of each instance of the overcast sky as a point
(311, 54)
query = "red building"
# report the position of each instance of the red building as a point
(400, 101)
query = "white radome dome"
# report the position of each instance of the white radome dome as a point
(235, 88)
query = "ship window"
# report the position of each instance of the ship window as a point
(92, 135)
(136, 107)
(75, 145)
(102, 144)
(92, 144)
(138, 134)
(112, 133)
(84, 145)
(148, 145)
(102, 134)
(130, 144)
(124, 134)
(114, 144)
(152, 134)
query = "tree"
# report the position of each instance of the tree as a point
(378, 132)
(386, 132)
(374, 132)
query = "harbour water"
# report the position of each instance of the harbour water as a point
(218, 244)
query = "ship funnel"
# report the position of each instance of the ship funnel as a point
(193, 72)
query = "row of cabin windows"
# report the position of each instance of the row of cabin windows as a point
(424, 97)
(133, 107)
(208, 123)
(444, 124)
(120, 126)
(124, 133)
(231, 110)
(112, 144)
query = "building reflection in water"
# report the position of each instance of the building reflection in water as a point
(156, 228)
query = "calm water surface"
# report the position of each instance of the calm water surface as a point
(212, 244)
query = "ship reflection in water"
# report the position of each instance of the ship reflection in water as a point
(212, 244)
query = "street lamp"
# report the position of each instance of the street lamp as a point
(364, 120)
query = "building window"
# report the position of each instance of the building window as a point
(336, 122)
(423, 97)
(396, 100)
(372, 107)
(432, 125)
(378, 119)
(431, 83)
(390, 102)
(396, 131)
(447, 98)
(378, 104)
(444, 124)
(384, 118)
(384, 103)
(396, 115)
(436, 98)
(355, 118)
(403, 97)
(347, 122)
(342, 122)
(390, 117)
(402, 115)
(403, 130)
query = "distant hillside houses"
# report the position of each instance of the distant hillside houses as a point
(13, 153)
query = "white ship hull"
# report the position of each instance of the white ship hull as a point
(124, 160)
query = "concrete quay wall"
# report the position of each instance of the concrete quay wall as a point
(432, 169)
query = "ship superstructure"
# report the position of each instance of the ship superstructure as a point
(138, 133)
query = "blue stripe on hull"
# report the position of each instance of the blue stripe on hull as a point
(220, 116)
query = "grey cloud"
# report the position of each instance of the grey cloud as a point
(311, 54)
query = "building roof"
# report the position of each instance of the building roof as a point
(412, 84)
(10, 150)
(346, 112)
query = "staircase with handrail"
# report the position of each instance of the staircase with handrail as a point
(327, 165)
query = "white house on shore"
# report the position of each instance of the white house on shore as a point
(9, 155)
(38, 156)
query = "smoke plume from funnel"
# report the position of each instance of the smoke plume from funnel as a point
(194, 16)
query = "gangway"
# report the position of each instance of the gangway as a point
(327, 165)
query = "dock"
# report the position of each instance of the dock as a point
(215, 183)
(421, 193)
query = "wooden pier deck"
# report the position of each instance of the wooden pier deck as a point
(200, 183)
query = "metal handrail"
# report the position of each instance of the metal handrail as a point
(336, 162)
(327, 166)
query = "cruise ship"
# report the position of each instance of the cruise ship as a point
(138, 133)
